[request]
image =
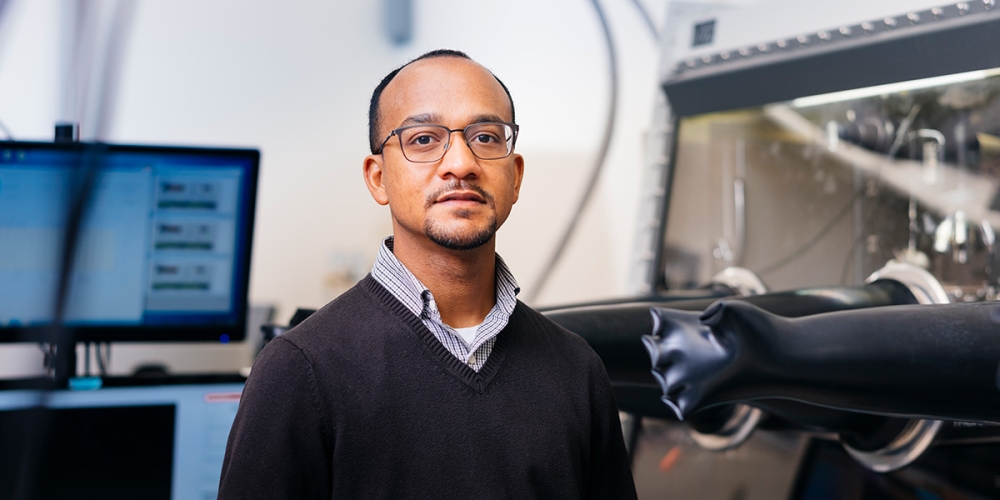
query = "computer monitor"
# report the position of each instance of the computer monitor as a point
(139, 438)
(163, 252)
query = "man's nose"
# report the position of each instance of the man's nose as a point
(458, 159)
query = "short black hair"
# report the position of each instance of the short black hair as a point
(374, 139)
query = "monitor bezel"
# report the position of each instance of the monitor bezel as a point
(224, 333)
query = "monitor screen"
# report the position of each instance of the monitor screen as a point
(163, 250)
(153, 442)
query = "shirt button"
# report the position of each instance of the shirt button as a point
(472, 359)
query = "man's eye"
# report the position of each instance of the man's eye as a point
(486, 139)
(423, 140)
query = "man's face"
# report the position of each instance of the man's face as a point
(459, 201)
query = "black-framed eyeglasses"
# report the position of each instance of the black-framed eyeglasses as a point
(429, 143)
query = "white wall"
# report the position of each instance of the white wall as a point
(294, 79)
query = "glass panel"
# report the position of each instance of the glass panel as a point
(825, 190)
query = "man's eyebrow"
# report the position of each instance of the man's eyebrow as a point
(435, 119)
(487, 118)
(421, 119)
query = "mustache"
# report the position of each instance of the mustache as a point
(458, 185)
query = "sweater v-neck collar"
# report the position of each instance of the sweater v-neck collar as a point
(478, 381)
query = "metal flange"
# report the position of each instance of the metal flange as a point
(918, 435)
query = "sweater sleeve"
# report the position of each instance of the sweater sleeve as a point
(277, 447)
(610, 474)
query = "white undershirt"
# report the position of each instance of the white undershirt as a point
(467, 334)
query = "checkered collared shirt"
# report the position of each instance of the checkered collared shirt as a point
(406, 288)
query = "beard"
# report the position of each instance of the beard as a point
(455, 240)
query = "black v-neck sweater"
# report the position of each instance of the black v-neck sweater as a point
(362, 401)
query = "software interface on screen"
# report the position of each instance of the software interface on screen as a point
(160, 243)
(123, 442)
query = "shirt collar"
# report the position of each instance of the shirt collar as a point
(405, 287)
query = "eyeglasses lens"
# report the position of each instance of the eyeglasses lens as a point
(427, 143)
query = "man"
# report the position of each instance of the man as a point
(428, 379)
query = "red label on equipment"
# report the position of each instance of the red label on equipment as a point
(223, 397)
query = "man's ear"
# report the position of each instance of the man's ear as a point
(374, 179)
(518, 175)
